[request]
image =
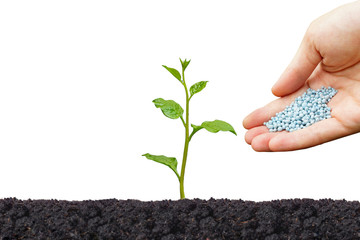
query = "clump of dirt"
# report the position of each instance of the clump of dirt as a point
(184, 219)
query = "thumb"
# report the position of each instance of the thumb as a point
(303, 64)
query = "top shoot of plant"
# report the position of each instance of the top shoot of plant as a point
(173, 110)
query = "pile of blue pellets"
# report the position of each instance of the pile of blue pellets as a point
(307, 109)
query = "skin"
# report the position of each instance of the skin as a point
(329, 55)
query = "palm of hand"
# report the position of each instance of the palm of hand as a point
(345, 114)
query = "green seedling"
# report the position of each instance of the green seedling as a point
(173, 110)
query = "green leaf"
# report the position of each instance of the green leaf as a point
(184, 63)
(170, 108)
(171, 162)
(197, 87)
(215, 126)
(174, 72)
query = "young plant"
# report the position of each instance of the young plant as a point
(173, 110)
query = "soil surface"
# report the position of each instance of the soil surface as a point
(184, 219)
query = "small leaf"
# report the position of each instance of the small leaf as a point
(174, 72)
(218, 125)
(171, 162)
(184, 63)
(197, 87)
(170, 108)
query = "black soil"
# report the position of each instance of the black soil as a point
(183, 219)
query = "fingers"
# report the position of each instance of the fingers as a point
(261, 115)
(256, 131)
(256, 118)
(318, 133)
(303, 64)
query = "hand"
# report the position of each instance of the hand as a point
(329, 55)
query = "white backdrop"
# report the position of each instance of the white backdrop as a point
(77, 80)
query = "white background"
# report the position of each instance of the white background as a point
(77, 80)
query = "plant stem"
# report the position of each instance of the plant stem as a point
(187, 139)
(192, 134)
(182, 119)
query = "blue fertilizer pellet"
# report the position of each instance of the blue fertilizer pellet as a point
(305, 110)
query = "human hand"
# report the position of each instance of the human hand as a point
(329, 55)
